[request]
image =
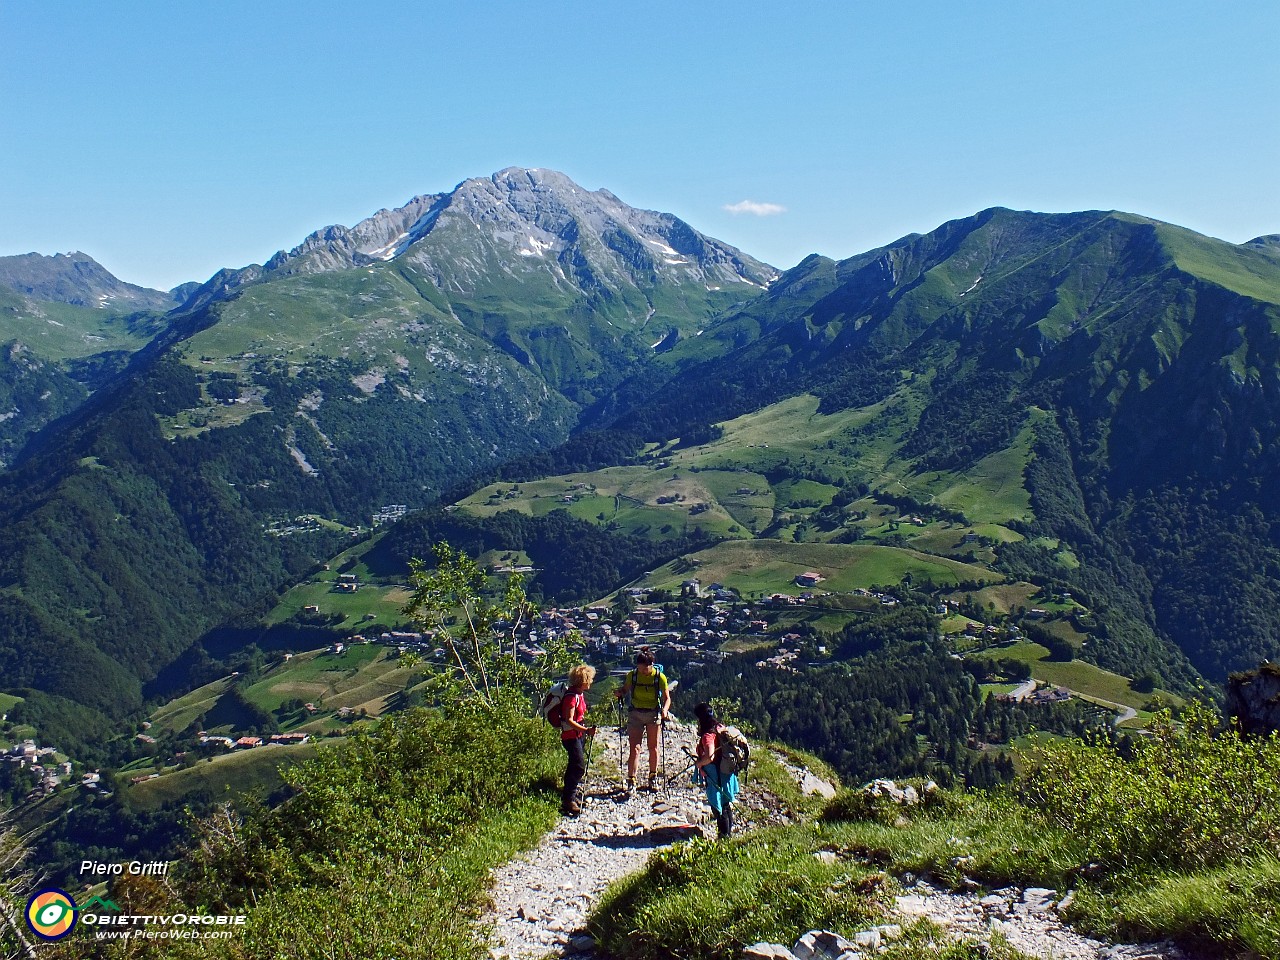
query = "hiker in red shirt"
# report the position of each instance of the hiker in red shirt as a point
(573, 734)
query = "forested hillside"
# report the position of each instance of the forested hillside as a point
(62, 336)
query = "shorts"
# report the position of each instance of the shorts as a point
(637, 720)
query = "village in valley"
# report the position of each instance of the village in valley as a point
(284, 701)
(337, 650)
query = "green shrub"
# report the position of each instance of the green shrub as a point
(1235, 909)
(1172, 837)
(385, 849)
(1187, 797)
(987, 837)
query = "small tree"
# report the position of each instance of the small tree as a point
(1146, 683)
(479, 628)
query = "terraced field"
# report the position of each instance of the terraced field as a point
(235, 773)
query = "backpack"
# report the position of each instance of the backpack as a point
(553, 703)
(732, 750)
(657, 670)
(659, 681)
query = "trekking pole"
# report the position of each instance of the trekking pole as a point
(586, 772)
(662, 748)
(693, 758)
(622, 729)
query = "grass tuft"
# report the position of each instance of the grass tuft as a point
(707, 899)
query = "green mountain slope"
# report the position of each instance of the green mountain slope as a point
(1142, 358)
(55, 353)
(1083, 401)
(330, 382)
(429, 342)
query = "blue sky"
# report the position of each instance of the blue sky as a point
(169, 139)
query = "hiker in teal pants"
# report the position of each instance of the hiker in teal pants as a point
(722, 788)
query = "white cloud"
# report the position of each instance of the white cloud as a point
(756, 208)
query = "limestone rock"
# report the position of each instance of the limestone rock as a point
(868, 939)
(888, 790)
(1035, 900)
(823, 945)
(811, 785)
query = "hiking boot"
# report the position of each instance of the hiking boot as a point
(631, 784)
(571, 809)
(653, 784)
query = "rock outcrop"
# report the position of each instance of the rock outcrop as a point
(1253, 699)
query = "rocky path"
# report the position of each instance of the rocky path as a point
(1027, 918)
(540, 901)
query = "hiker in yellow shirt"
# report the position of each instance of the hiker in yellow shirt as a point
(650, 706)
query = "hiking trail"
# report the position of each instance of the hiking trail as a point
(541, 900)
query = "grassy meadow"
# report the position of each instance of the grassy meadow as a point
(759, 480)
(176, 715)
(771, 566)
(1088, 681)
(234, 773)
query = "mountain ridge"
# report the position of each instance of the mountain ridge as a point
(537, 216)
(336, 389)
(1106, 321)
(76, 278)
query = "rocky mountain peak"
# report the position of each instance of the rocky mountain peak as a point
(529, 220)
(76, 278)
(379, 237)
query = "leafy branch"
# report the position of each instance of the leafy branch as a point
(479, 625)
